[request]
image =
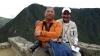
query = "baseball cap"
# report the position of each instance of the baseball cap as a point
(66, 8)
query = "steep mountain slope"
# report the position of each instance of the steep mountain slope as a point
(3, 21)
(88, 24)
(87, 21)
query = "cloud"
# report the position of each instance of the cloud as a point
(10, 8)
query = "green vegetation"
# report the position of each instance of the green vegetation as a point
(3, 21)
(87, 21)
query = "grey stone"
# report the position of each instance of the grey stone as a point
(3, 45)
(0, 46)
(22, 45)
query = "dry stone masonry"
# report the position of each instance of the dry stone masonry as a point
(4, 45)
(20, 46)
(89, 49)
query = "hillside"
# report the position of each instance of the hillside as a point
(3, 21)
(87, 21)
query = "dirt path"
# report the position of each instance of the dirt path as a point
(7, 52)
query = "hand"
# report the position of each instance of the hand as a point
(54, 40)
(59, 40)
(37, 22)
(75, 45)
(38, 33)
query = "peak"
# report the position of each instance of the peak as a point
(87, 21)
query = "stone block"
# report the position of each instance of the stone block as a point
(3, 45)
(0, 46)
(98, 52)
(7, 44)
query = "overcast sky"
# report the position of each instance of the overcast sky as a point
(10, 8)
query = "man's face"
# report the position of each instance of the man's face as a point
(66, 15)
(49, 14)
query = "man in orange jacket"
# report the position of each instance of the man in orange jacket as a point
(43, 35)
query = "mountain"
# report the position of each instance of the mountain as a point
(3, 21)
(86, 19)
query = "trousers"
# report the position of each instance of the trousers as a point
(40, 52)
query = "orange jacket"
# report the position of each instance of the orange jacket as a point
(54, 32)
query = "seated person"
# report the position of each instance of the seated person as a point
(43, 35)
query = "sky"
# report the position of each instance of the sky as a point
(10, 8)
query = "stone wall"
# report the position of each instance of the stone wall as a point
(4, 45)
(20, 46)
(89, 49)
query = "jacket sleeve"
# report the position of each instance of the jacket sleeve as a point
(39, 27)
(75, 36)
(41, 38)
(54, 34)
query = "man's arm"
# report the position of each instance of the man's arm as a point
(75, 35)
(54, 34)
(38, 31)
(42, 38)
(76, 38)
(50, 35)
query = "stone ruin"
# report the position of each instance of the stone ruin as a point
(20, 47)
